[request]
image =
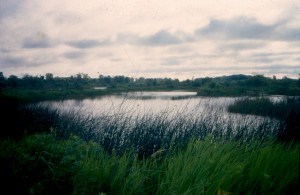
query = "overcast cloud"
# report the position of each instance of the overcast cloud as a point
(141, 38)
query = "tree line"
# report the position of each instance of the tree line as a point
(224, 85)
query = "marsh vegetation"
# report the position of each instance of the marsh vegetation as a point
(151, 143)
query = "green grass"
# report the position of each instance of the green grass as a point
(146, 133)
(286, 110)
(149, 154)
(35, 95)
(44, 164)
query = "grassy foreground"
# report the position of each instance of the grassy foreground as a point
(44, 164)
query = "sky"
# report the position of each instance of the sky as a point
(150, 38)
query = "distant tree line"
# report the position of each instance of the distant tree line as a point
(224, 85)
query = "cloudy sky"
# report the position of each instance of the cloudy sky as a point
(150, 38)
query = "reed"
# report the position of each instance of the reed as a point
(286, 110)
(44, 164)
(165, 153)
(150, 132)
(146, 133)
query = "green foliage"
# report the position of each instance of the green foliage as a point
(286, 110)
(153, 156)
(44, 164)
(18, 118)
(258, 106)
(146, 133)
(81, 85)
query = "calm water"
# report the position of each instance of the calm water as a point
(171, 105)
(143, 103)
(150, 120)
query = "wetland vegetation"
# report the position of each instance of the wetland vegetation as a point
(248, 144)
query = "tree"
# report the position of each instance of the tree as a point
(13, 80)
(2, 82)
(257, 81)
(49, 76)
(1, 77)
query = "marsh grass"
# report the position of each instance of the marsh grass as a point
(145, 133)
(19, 118)
(44, 164)
(286, 110)
(164, 153)
(148, 133)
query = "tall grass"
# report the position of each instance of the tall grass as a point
(147, 133)
(150, 132)
(120, 153)
(286, 110)
(19, 119)
(43, 164)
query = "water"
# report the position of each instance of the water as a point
(142, 103)
(152, 120)
(171, 105)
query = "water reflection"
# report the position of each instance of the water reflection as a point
(160, 95)
(176, 104)
(125, 120)
(144, 103)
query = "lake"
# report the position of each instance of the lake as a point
(151, 120)
(143, 103)
(169, 104)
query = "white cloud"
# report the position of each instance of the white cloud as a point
(149, 38)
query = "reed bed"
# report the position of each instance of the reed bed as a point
(286, 110)
(124, 129)
(203, 152)
(44, 164)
